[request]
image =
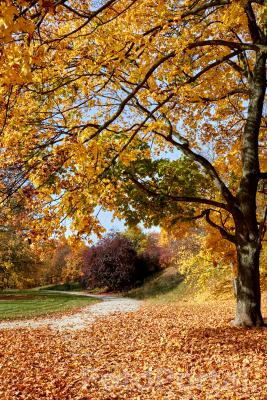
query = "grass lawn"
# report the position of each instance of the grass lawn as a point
(30, 303)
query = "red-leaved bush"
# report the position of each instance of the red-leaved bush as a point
(112, 263)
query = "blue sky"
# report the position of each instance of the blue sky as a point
(105, 218)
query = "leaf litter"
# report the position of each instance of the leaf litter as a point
(175, 351)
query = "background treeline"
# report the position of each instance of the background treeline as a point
(120, 261)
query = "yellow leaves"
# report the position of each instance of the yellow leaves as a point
(7, 14)
(152, 84)
(234, 14)
(206, 261)
(10, 23)
(161, 6)
(23, 25)
(38, 55)
(88, 76)
(17, 64)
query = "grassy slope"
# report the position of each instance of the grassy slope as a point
(161, 285)
(26, 303)
(168, 286)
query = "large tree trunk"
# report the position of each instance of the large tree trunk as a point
(248, 295)
(248, 241)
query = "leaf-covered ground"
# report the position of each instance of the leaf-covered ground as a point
(179, 351)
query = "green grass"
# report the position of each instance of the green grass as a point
(168, 286)
(161, 285)
(30, 303)
(72, 286)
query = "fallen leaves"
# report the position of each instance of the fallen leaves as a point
(180, 351)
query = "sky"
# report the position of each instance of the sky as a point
(105, 218)
(114, 224)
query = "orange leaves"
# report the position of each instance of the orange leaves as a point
(165, 352)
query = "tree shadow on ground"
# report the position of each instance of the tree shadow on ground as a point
(230, 340)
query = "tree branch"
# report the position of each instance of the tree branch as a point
(223, 232)
(205, 213)
(225, 96)
(231, 45)
(188, 199)
(194, 11)
(252, 24)
(89, 18)
(131, 95)
(135, 132)
(228, 196)
(212, 65)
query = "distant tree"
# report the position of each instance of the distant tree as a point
(150, 256)
(112, 263)
(154, 253)
(74, 263)
(57, 261)
(137, 237)
(19, 264)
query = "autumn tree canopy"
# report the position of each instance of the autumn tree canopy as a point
(90, 87)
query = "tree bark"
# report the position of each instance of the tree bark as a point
(247, 237)
(248, 295)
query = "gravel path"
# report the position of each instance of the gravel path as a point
(81, 319)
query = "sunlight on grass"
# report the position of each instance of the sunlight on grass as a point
(159, 286)
(24, 304)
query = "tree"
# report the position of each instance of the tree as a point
(152, 190)
(19, 264)
(58, 260)
(111, 263)
(207, 263)
(135, 78)
(72, 271)
(152, 255)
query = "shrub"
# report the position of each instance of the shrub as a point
(112, 263)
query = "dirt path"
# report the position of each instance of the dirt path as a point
(81, 319)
